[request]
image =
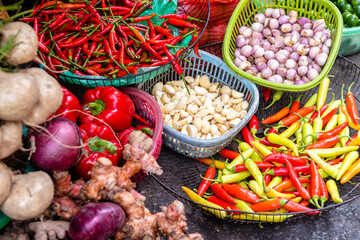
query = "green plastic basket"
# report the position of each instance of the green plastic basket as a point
(350, 41)
(244, 14)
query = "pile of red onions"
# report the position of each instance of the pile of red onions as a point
(283, 48)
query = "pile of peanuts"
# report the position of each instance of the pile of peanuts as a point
(208, 112)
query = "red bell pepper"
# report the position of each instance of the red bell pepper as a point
(145, 129)
(109, 105)
(92, 130)
(69, 102)
(123, 136)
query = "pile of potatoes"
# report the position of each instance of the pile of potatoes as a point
(27, 97)
(208, 112)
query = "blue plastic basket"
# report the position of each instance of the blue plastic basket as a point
(217, 71)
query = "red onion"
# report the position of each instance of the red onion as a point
(312, 74)
(282, 12)
(288, 82)
(237, 53)
(319, 25)
(284, 19)
(257, 27)
(321, 59)
(293, 16)
(266, 73)
(246, 50)
(307, 26)
(275, 13)
(237, 62)
(307, 33)
(244, 65)
(319, 34)
(257, 35)
(290, 74)
(295, 56)
(254, 42)
(325, 49)
(279, 42)
(250, 58)
(268, 12)
(269, 55)
(294, 47)
(314, 51)
(274, 24)
(266, 45)
(303, 20)
(280, 57)
(304, 40)
(288, 49)
(302, 49)
(302, 70)
(273, 64)
(286, 53)
(323, 38)
(49, 153)
(282, 72)
(285, 28)
(259, 18)
(299, 82)
(261, 66)
(246, 32)
(240, 41)
(303, 61)
(97, 221)
(296, 27)
(290, 63)
(259, 52)
(276, 79)
(328, 43)
(266, 32)
(260, 60)
(276, 33)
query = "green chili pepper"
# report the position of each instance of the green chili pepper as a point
(350, 158)
(274, 138)
(243, 146)
(255, 171)
(331, 152)
(299, 139)
(326, 167)
(275, 181)
(333, 190)
(317, 124)
(243, 205)
(307, 129)
(256, 157)
(236, 177)
(196, 198)
(322, 92)
(312, 101)
(254, 186)
(332, 123)
(239, 159)
(276, 97)
(337, 145)
(243, 184)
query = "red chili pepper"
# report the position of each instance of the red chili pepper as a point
(287, 183)
(336, 131)
(267, 143)
(351, 105)
(316, 113)
(282, 158)
(109, 105)
(36, 26)
(268, 205)
(248, 138)
(277, 116)
(179, 16)
(241, 193)
(350, 140)
(43, 48)
(205, 184)
(69, 102)
(163, 31)
(241, 167)
(266, 93)
(142, 18)
(254, 125)
(324, 195)
(283, 171)
(71, 5)
(325, 143)
(222, 194)
(223, 204)
(228, 154)
(295, 180)
(180, 23)
(267, 177)
(194, 39)
(296, 105)
(58, 20)
(315, 185)
(287, 121)
(328, 116)
(178, 69)
(296, 207)
(179, 52)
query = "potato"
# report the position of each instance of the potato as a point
(30, 195)
(27, 49)
(5, 180)
(50, 96)
(10, 138)
(18, 95)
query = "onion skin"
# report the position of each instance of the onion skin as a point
(49, 154)
(97, 221)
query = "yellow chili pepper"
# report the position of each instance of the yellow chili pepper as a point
(346, 163)
(274, 138)
(254, 186)
(322, 92)
(243, 205)
(261, 148)
(275, 181)
(299, 139)
(239, 159)
(337, 145)
(351, 172)
(325, 166)
(291, 130)
(345, 131)
(332, 123)
(255, 172)
(196, 198)
(332, 106)
(331, 152)
(307, 131)
(243, 146)
(236, 177)
(333, 190)
(256, 157)
(273, 194)
(317, 124)
(312, 101)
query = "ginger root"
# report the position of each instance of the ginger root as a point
(65, 207)
(51, 230)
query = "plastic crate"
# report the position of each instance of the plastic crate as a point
(217, 71)
(350, 41)
(312, 9)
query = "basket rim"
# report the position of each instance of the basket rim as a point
(280, 86)
(158, 129)
(152, 69)
(215, 141)
(350, 31)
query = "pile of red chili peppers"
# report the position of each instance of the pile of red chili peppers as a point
(107, 37)
(286, 170)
